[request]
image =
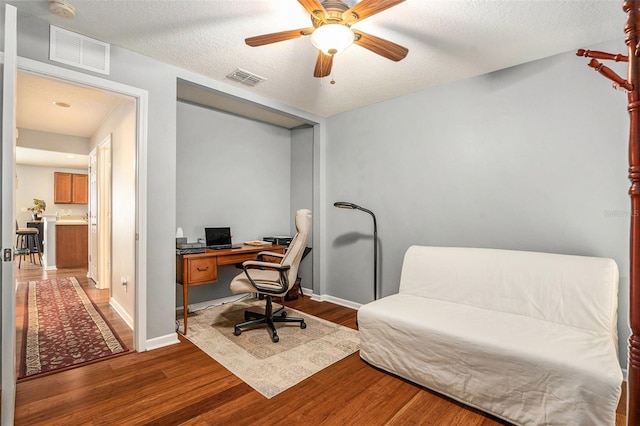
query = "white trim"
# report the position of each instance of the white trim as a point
(51, 268)
(336, 300)
(141, 225)
(625, 375)
(142, 106)
(7, 147)
(122, 312)
(162, 341)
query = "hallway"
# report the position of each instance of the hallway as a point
(30, 272)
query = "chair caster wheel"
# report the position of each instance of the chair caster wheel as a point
(303, 325)
(283, 314)
(275, 338)
(237, 331)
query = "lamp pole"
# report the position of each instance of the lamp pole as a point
(351, 206)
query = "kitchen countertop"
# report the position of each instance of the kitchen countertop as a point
(72, 222)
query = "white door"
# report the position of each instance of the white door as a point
(8, 224)
(103, 184)
(93, 217)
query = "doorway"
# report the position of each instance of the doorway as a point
(60, 134)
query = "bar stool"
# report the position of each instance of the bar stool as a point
(28, 242)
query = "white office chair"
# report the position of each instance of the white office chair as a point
(273, 279)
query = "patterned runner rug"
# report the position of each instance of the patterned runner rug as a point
(63, 328)
(268, 367)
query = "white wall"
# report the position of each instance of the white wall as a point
(121, 124)
(37, 182)
(234, 172)
(533, 157)
(47, 141)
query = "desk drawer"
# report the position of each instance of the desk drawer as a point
(202, 270)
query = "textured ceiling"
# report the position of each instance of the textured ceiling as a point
(447, 40)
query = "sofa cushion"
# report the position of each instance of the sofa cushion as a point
(578, 291)
(522, 369)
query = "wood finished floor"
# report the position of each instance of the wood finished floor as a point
(181, 385)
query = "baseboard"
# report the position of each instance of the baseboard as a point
(122, 312)
(336, 300)
(51, 268)
(162, 341)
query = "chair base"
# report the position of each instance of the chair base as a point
(269, 318)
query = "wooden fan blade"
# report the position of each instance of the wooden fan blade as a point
(366, 8)
(261, 40)
(315, 9)
(323, 65)
(382, 47)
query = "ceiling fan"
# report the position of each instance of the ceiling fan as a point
(332, 33)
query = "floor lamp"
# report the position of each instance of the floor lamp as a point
(351, 206)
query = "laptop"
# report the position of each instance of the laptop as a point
(219, 238)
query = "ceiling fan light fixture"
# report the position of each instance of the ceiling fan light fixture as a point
(332, 39)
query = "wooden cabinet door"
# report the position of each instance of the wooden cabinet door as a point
(70, 188)
(72, 246)
(80, 189)
(61, 188)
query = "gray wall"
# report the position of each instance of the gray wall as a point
(302, 192)
(531, 158)
(230, 172)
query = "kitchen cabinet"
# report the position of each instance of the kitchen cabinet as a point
(72, 246)
(70, 188)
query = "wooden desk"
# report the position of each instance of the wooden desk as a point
(202, 268)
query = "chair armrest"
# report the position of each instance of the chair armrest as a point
(257, 264)
(270, 254)
(282, 269)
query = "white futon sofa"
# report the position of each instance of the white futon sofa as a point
(528, 337)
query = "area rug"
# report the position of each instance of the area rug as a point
(268, 367)
(63, 328)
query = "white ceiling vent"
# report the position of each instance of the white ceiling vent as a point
(246, 77)
(81, 51)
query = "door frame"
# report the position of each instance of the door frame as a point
(100, 215)
(93, 203)
(142, 106)
(9, 73)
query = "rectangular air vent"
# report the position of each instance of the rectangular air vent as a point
(246, 77)
(81, 51)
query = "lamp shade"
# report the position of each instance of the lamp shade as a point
(332, 39)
